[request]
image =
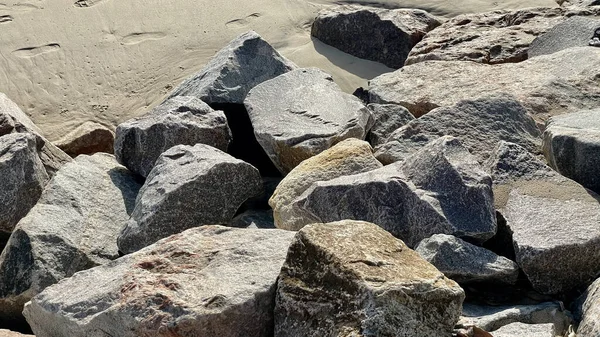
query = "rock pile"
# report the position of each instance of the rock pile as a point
(260, 200)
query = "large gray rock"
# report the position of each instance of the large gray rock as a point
(352, 278)
(574, 32)
(74, 226)
(440, 189)
(23, 178)
(491, 318)
(348, 157)
(387, 118)
(189, 186)
(529, 330)
(245, 62)
(181, 120)
(572, 146)
(466, 263)
(479, 123)
(553, 220)
(88, 138)
(302, 113)
(206, 281)
(375, 34)
(588, 308)
(547, 85)
(14, 120)
(494, 37)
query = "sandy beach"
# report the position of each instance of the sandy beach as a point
(66, 61)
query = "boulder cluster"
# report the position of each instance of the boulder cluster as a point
(457, 197)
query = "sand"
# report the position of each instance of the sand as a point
(65, 62)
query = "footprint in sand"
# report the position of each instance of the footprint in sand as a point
(5, 18)
(136, 38)
(243, 21)
(87, 3)
(30, 52)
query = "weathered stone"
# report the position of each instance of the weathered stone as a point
(491, 318)
(88, 138)
(13, 120)
(189, 186)
(387, 118)
(74, 226)
(302, 113)
(547, 85)
(23, 178)
(440, 189)
(352, 278)
(529, 330)
(574, 32)
(553, 220)
(206, 281)
(572, 147)
(375, 34)
(579, 2)
(348, 157)
(254, 219)
(181, 120)
(466, 263)
(588, 308)
(241, 65)
(494, 37)
(8, 333)
(479, 123)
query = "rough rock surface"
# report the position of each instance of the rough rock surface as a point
(302, 113)
(553, 220)
(529, 330)
(348, 157)
(466, 263)
(8, 333)
(206, 281)
(440, 189)
(74, 226)
(352, 278)
(387, 118)
(22, 178)
(479, 123)
(375, 34)
(189, 186)
(245, 62)
(13, 120)
(181, 120)
(588, 306)
(547, 85)
(491, 318)
(573, 32)
(572, 146)
(492, 38)
(88, 138)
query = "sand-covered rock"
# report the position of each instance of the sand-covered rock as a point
(573, 32)
(387, 118)
(440, 189)
(302, 113)
(88, 138)
(254, 219)
(572, 146)
(588, 307)
(181, 120)
(547, 85)
(206, 281)
(23, 178)
(529, 330)
(189, 186)
(479, 123)
(376, 34)
(348, 157)
(501, 36)
(352, 278)
(245, 62)
(73, 227)
(466, 263)
(553, 220)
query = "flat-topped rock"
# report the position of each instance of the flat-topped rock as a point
(88, 138)
(576, 31)
(352, 29)
(529, 330)
(302, 113)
